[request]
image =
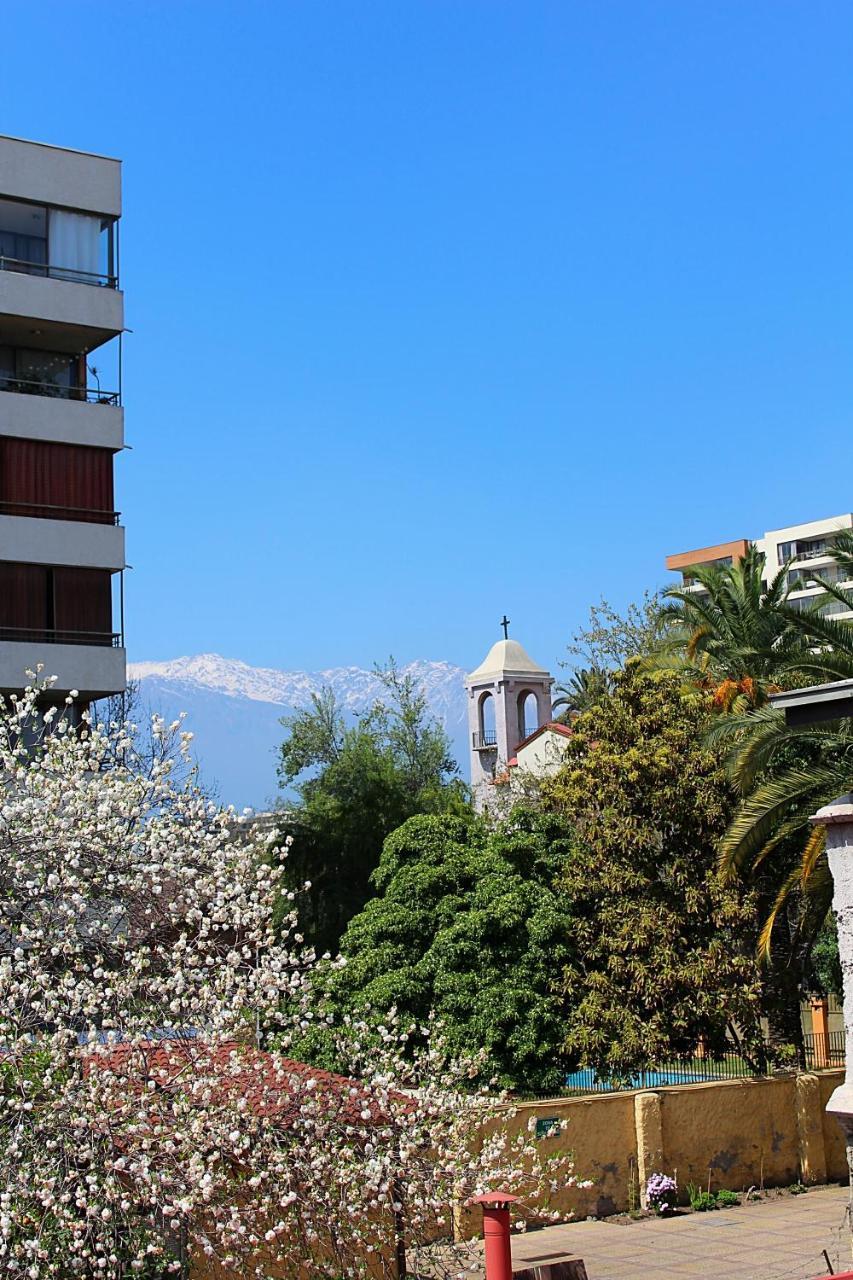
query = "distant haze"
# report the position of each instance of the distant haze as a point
(234, 712)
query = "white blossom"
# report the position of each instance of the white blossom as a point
(146, 1002)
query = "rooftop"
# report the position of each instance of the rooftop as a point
(507, 657)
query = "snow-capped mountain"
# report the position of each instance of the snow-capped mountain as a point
(234, 711)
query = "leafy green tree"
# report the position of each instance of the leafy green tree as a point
(465, 925)
(610, 638)
(354, 785)
(663, 950)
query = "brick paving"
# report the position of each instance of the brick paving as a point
(779, 1238)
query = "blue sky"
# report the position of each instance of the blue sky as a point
(445, 309)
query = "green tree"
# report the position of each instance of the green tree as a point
(663, 950)
(354, 785)
(465, 925)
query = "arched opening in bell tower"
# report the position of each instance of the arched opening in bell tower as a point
(486, 721)
(528, 714)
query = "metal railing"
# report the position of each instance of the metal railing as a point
(482, 741)
(74, 274)
(529, 729)
(38, 387)
(692, 1070)
(51, 635)
(824, 1049)
(44, 511)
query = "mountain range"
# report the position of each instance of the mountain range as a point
(234, 710)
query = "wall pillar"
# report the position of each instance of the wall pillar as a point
(810, 1128)
(649, 1130)
(837, 818)
(820, 1030)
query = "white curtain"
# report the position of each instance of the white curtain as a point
(73, 245)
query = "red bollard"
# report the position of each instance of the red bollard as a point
(496, 1233)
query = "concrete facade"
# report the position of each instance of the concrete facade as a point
(92, 670)
(62, 421)
(59, 302)
(59, 176)
(27, 540)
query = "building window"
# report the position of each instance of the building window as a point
(62, 243)
(23, 236)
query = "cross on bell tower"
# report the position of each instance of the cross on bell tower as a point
(509, 696)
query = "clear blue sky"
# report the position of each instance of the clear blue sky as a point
(445, 309)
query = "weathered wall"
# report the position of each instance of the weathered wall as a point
(741, 1131)
(601, 1133)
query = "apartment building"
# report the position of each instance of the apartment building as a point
(62, 551)
(807, 546)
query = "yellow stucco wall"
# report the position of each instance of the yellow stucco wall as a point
(740, 1131)
(601, 1132)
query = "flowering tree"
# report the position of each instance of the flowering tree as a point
(148, 1109)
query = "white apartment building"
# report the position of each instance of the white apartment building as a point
(806, 545)
(62, 551)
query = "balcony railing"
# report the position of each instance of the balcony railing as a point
(44, 511)
(51, 635)
(73, 274)
(38, 387)
(484, 741)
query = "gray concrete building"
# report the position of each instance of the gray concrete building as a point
(62, 553)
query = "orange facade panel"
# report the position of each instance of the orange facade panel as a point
(737, 550)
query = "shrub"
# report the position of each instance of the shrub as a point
(661, 1192)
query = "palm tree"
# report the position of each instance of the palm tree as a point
(741, 637)
(584, 689)
(786, 773)
(732, 635)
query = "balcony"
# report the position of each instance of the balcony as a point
(45, 269)
(54, 391)
(485, 741)
(43, 511)
(95, 668)
(59, 541)
(50, 635)
(59, 313)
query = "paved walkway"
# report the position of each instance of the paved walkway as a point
(779, 1238)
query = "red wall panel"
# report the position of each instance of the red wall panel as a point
(63, 481)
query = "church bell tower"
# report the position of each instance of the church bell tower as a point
(509, 697)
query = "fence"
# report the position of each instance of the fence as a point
(821, 1051)
(824, 1049)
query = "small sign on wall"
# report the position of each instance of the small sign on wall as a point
(548, 1127)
